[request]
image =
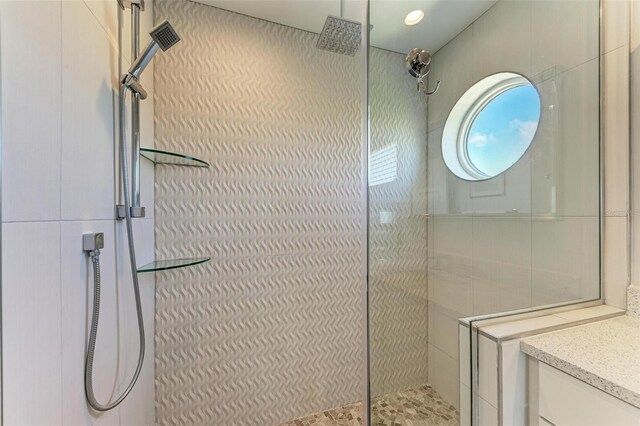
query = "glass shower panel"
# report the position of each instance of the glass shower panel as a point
(528, 237)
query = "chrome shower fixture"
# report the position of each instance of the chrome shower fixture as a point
(418, 64)
(340, 35)
(163, 37)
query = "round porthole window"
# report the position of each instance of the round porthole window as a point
(491, 126)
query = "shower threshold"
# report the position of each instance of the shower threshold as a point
(420, 406)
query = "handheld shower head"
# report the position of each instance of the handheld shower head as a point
(163, 36)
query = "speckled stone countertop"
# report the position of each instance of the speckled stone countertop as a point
(604, 354)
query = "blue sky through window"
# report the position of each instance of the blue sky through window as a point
(504, 129)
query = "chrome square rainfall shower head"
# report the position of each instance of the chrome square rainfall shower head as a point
(164, 35)
(340, 35)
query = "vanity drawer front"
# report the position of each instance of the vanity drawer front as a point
(565, 400)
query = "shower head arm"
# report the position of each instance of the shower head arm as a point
(131, 78)
(143, 59)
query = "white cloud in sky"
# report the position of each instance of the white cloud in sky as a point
(526, 129)
(481, 139)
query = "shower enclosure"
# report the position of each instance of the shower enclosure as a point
(484, 197)
(359, 177)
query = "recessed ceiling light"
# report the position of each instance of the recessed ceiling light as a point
(414, 17)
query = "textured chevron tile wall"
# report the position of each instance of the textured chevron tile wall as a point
(271, 328)
(398, 229)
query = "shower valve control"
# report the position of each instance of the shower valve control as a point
(92, 242)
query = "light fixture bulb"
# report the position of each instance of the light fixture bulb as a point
(414, 17)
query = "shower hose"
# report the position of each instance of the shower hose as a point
(95, 259)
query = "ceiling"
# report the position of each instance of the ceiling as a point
(443, 20)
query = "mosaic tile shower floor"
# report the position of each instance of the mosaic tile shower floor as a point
(413, 407)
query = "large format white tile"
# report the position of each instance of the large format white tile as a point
(139, 406)
(464, 355)
(107, 14)
(509, 192)
(465, 405)
(615, 24)
(509, 328)
(578, 154)
(565, 259)
(77, 306)
(89, 92)
(501, 264)
(452, 64)
(615, 261)
(450, 271)
(487, 413)
(31, 73)
(564, 34)
(545, 149)
(31, 334)
(147, 169)
(443, 375)
(589, 313)
(616, 132)
(506, 20)
(443, 329)
(513, 388)
(488, 370)
(438, 199)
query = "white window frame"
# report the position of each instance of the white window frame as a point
(455, 135)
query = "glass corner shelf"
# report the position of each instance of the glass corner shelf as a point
(163, 265)
(157, 156)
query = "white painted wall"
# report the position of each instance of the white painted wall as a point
(59, 66)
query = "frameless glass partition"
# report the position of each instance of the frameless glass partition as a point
(484, 181)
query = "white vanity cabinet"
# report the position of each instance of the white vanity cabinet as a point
(556, 398)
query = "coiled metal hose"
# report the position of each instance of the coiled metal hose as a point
(95, 258)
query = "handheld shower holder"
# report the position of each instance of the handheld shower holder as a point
(131, 82)
(134, 211)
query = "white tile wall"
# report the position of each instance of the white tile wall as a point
(577, 174)
(512, 394)
(635, 137)
(564, 269)
(443, 375)
(59, 86)
(31, 326)
(487, 413)
(616, 24)
(443, 329)
(77, 301)
(615, 265)
(616, 128)
(507, 18)
(501, 264)
(569, 22)
(488, 370)
(87, 127)
(31, 133)
(455, 68)
(535, 261)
